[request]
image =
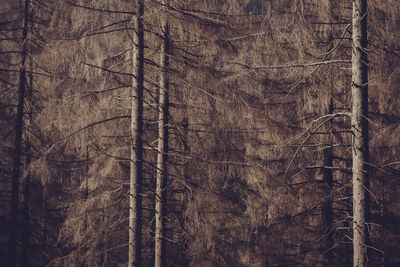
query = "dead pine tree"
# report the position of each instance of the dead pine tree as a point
(162, 150)
(328, 155)
(136, 164)
(359, 125)
(27, 181)
(13, 224)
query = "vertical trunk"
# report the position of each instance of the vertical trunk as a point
(44, 226)
(135, 194)
(383, 227)
(86, 186)
(13, 225)
(26, 219)
(162, 156)
(327, 208)
(186, 175)
(359, 124)
(27, 182)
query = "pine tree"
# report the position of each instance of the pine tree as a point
(162, 150)
(360, 144)
(18, 146)
(136, 179)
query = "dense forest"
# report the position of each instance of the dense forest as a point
(200, 133)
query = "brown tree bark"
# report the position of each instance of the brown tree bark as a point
(27, 182)
(328, 213)
(135, 194)
(13, 223)
(359, 124)
(327, 207)
(162, 156)
(26, 215)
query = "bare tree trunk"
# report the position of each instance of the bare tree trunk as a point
(44, 223)
(359, 122)
(13, 224)
(186, 175)
(135, 194)
(162, 156)
(86, 186)
(26, 218)
(27, 182)
(328, 204)
(328, 213)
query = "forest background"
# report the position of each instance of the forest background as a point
(199, 133)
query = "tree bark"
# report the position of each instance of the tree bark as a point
(86, 196)
(162, 156)
(359, 124)
(328, 213)
(26, 215)
(27, 182)
(327, 208)
(135, 196)
(13, 224)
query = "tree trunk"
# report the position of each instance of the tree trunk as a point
(327, 208)
(26, 218)
(162, 156)
(359, 124)
(328, 213)
(13, 226)
(86, 187)
(27, 181)
(44, 222)
(186, 175)
(135, 196)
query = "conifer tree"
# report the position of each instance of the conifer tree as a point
(246, 119)
(136, 164)
(162, 149)
(18, 146)
(360, 143)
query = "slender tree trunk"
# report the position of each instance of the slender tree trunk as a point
(135, 204)
(383, 227)
(13, 226)
(44, 226)
(327, 206)
(27, 182)
(162, 156)
(359, 123)
(186, 175)
(328, 213)
(86, 186)
(26, 218)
